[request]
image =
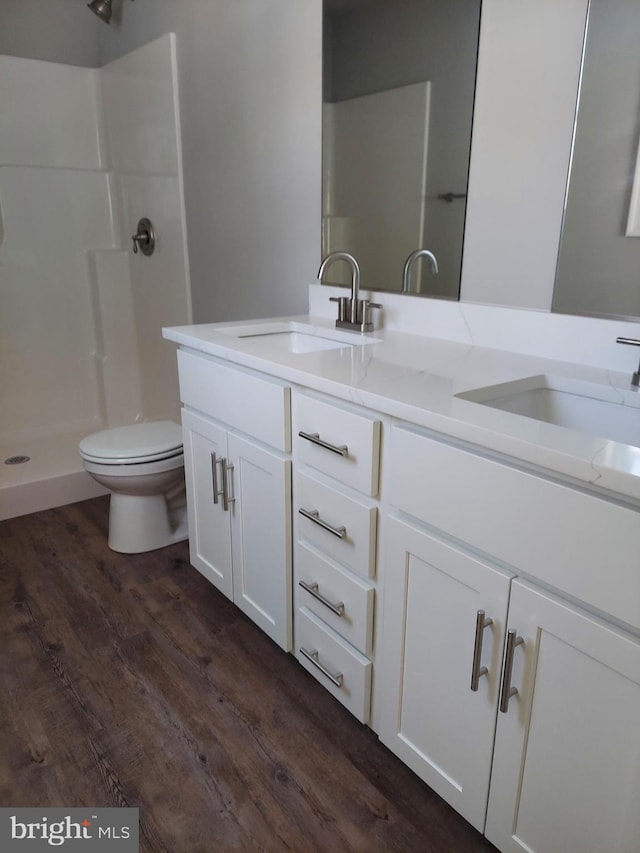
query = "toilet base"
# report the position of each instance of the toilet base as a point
(139, 523)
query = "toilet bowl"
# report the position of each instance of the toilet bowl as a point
(143, 467)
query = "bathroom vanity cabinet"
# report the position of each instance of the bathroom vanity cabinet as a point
(239, 487)
(480, 612)
(565, 694)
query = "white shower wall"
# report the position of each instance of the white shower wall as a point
(83, 155)
(142, 128)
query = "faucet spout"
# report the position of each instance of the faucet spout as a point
(417, 253)
(355, 279)
(634, 342)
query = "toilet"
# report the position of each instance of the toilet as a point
(143, 467)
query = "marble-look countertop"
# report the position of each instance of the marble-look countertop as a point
(416, 379)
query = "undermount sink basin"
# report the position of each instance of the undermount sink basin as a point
(294, 337)
(299, 341)
(598, 410)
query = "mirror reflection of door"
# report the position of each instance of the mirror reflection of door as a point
(399, 80)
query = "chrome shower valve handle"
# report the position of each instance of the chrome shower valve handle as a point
(145, 237)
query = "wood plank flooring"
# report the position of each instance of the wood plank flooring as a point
(129, 680)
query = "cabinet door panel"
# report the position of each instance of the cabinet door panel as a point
(209, 530)
(430, 717)
(261, 536)
(566, 772)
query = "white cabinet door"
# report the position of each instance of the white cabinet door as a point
(430, 717)
(566, 773)
(261, 537)
(205, 446)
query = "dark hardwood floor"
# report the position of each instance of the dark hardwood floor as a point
(129, 680)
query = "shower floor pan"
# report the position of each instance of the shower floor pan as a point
(53, 476)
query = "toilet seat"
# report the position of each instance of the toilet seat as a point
(134, 469)
(134, 444)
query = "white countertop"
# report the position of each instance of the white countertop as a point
(416, 378)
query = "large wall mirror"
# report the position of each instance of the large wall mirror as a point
(598, 270)
(398, 90)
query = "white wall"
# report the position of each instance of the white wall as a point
(250, 84)
(528, 71)
(599, 266)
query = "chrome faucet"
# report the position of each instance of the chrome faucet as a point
(418, 253)
(358, 315)
(634, 342)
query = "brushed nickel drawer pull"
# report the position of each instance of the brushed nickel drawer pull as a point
(507, 690)
(312, 657)
(477, 671)
(314, 438)
(314, 515)
(314, 590)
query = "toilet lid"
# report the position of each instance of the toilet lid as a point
(144, 442)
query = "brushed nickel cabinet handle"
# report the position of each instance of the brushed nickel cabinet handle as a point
(312, 656)
(214, 476)
(507, 690)
(314, 438)
(226, 497)
(314, 590)
(477, 670)
(314, 515)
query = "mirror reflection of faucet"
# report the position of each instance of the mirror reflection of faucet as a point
(353, 313)
(417, 253)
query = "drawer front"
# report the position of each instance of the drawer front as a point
(255, 404)
(352, 537)
(356, 436)
(344, 672)
(324, 588)
(580, 544)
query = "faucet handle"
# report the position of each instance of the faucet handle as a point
(365, 314)
(342, 306)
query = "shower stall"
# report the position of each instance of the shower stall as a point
(84, 155)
